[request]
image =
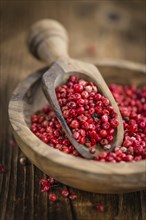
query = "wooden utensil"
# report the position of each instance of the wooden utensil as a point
(80, 173)
(48, 41)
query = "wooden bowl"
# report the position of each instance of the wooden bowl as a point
(80, 173)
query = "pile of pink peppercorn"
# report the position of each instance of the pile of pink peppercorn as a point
(93, 121)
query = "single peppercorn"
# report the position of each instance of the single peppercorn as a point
(72, 196)
(52, 197)
(2, 168)
(100, 207)
(65, 193)
(46, 188)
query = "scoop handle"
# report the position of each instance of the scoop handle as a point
(48, 40)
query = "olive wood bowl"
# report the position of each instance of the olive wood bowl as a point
(83, 174)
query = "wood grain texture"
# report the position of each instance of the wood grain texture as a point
(20, 196)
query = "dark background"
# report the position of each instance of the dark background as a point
(97, 30)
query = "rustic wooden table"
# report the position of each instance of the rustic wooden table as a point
(97, 30)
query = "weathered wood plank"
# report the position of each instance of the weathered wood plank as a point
(20, 196)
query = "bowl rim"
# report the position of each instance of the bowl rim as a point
(56, 156)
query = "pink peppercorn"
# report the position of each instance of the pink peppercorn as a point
(51, 180)
(52, 197)
(78, 87)
(74, 124)
(92, 150)
(65, 193)
(72, 196)
(43, 181)
(2, 169)
(46, 188)
(100, 208)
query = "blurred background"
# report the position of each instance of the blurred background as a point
(97, 30)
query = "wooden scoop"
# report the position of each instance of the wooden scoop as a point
(48, 41)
